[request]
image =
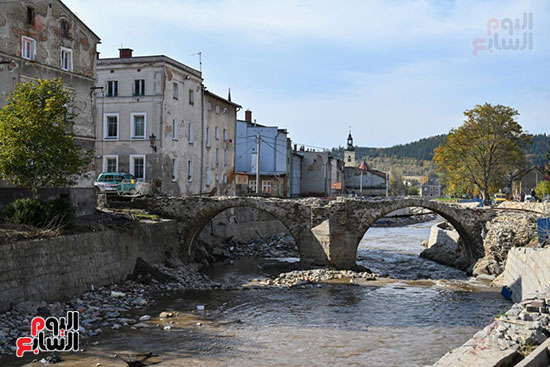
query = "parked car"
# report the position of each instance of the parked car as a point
(115, 182)
(499, 198)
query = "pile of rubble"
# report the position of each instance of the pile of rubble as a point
(102, 308)
(304, 277)
(510, 336)
(276, 246)
(515, 229)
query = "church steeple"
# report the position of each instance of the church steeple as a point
(349, 154)
(350, 143)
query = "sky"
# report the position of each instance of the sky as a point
(395, 71)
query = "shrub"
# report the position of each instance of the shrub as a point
(60, 212)
(542, 189)
(41, 213)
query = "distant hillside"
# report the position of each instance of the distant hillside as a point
(421, 149)
(414, 159)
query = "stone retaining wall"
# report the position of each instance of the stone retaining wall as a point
(56, 268)
(527, 270)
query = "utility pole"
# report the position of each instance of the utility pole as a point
(387, 185)
(259, 140)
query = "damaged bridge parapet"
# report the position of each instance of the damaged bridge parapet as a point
(327, 232)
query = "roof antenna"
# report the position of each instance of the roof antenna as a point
(200, 59)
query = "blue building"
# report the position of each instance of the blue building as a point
(275, 158)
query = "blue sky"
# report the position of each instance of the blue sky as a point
(395, 71)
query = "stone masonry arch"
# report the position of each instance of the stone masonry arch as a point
(467, 222)
(194, 213)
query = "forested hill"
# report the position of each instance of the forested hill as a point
(423, 149)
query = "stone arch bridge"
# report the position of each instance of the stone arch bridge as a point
(327, 232)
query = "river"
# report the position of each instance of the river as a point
(404, 323)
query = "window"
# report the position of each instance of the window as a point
(217, 178)
(175, 132)
(176, 90)
(30, 15)
(191, 97)
(218, 110)
(217, 133)
(225, 110)
(139, 121)
(139, 87)
(189, 171)
(174, 169)
(64, 28)
(224, 178)
(225, 158)
(191, 133)
(110, 126)
(112, 88)
(28, 48)
(217, 156)
(209, 106)
(252, 185)
(66, 59)
(225, 137)
(137, 166)
(110, 163)
(208, 176)
(266, 186)
(207, 137)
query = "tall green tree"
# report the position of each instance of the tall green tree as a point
(483, 151)
(37, 147)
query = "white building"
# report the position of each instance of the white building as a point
(156, 121)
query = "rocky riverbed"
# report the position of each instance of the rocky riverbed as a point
(105, 307)
(305, 277)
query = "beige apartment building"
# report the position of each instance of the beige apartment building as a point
(44, 39)
(156, 121)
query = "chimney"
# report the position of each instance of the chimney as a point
(295, 148)
(248, 116)
(125, 53)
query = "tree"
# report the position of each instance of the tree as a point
(413, 190)
(542, 189)
(397, 187)
(548, 162)
(479, 154)
(37, 147)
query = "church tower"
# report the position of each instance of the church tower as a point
(349, 153)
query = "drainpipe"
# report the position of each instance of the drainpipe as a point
(202, 137)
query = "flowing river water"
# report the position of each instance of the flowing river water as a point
(409, 322)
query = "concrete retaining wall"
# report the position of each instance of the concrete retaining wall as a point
(57, 268)
(527, 270)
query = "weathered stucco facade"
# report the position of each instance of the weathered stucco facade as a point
(43, 39)
(154, 122)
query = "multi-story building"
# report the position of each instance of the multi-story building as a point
(157, 122)
(44, 39)
(430, 188)
(275, 161)
(321, 172)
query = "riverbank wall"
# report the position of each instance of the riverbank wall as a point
(57, 268)
(527, 271)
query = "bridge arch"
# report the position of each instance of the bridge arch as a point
(203, 213)
(451, 213)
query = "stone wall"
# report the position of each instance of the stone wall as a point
(527, 270)
(56, 268)
(241, 224)
(83, 199)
